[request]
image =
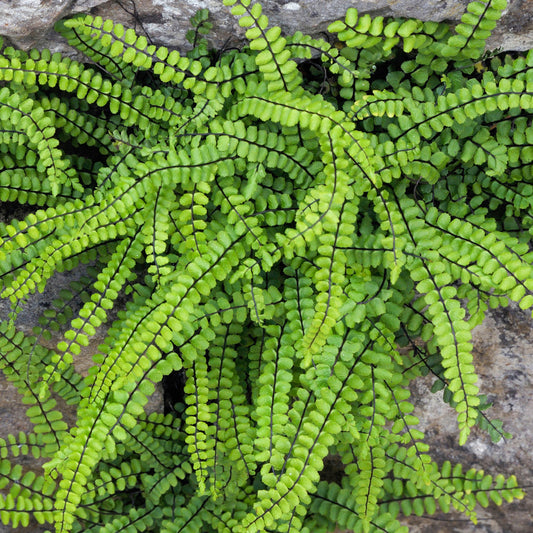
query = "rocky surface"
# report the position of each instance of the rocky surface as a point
(503, 349)
(12, 411)
(29, 23)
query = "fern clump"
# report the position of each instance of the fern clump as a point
(276, 225)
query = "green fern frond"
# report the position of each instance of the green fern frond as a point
(267, 226)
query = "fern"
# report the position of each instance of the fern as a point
(271, 224)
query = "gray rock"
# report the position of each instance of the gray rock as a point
(503, 349)
(29, 23)
(12, 412)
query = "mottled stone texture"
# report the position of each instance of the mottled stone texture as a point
(29, 23)
(503, 350)
(12, 412)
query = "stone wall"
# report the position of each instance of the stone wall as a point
(503, 355)
(29, 23)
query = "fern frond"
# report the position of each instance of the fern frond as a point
(265, 227)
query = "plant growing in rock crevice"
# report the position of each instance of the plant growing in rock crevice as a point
(276, 236)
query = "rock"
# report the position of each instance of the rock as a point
(12, 412)
(166, 21)
(503, 348)
(28, 23)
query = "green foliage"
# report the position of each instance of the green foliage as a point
(270, 224)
